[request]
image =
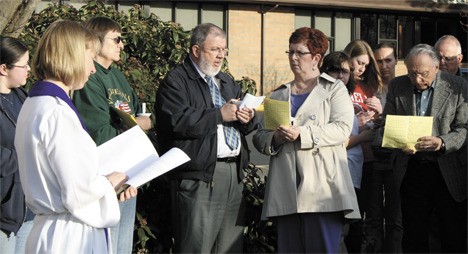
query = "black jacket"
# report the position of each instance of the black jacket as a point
(12, 210)
(186, 118)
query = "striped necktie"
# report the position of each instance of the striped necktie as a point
(230, 133)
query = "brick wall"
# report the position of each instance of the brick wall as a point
(245, 44)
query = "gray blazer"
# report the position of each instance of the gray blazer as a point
(450, 111)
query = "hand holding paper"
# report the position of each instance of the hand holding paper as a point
(403, 131)
(133, 154)
(250, 101)
(128, 121)
(276, 113)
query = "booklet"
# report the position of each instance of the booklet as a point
(133, 154)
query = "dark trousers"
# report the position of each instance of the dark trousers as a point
(384, 225)
(356, 232)
(309, 232)
(424, 192)
(208, 217)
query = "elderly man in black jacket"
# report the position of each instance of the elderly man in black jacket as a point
(195, 111)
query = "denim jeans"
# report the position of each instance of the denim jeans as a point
(15, 244)
(122, 234)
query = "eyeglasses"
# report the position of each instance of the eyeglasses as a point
(297, 53)
(117, 39)
(20, 66)
(217, 51)
(448, 59)
(421, 75)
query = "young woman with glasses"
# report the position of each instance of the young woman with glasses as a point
(15, 219)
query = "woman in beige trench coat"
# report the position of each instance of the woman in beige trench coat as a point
(309, 190)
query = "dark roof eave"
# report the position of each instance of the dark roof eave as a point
(391, 5)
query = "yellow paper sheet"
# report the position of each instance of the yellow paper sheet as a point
(276, 113)
(403, 131)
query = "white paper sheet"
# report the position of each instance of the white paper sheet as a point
(250, 101)
(133, 154)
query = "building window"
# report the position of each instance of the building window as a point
(161, 9)
(369, 29)
(213, 13)
(387, 30)
(401, 31)
(337, 26)
(187, 15)
(343, 25)
(190, 15)
(408, 30)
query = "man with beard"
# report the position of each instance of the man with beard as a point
(195, 111)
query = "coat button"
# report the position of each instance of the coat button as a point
(316, 140)
(312, 117)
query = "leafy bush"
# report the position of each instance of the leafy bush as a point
(152, 48)
(259, 236)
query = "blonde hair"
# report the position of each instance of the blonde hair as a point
(60, 54)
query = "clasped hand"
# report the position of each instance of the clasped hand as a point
(374, 104)
(231, 113)
(285, 134)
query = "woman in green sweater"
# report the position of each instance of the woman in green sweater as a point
(106, 90)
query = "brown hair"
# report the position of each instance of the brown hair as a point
(371, 75)
(100, 26)
(334, 62)
(11, 50)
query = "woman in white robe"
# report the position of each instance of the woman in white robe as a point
(58, 161)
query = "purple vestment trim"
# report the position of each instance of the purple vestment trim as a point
(44, 88)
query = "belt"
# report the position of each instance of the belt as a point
(227, 159)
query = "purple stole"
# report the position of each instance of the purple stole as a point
(44, 88)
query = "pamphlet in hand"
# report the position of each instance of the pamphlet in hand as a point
(403, 131)
(133, 154)
(250, 101)
(276, 113)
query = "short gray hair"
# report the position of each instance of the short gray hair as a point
(424, 49)
(201, 32)
(451, 38)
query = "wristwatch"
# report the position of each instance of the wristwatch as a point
(442, 146)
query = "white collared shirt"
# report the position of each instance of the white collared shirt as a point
(223, 149)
